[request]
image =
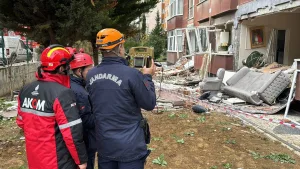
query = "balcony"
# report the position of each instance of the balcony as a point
(221, 6)
(202, 11)
(175, 22)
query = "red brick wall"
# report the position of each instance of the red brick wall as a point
(217, 62)
(198, 61)
(220, 6)
(172, 57)
(175, 22)
(185, 12)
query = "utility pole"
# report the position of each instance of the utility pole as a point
(2, 39)
(27, 49)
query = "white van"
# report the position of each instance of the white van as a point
(14, 50)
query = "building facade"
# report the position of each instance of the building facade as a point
(230, 30)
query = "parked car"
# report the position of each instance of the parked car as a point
(15, 50)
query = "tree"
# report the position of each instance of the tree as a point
(158, 38)
(67, 21)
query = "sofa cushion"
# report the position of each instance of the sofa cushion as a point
(249, 97)
(237, 76)
(275, 86)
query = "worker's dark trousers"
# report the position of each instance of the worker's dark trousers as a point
(91, 158)
(107, 164)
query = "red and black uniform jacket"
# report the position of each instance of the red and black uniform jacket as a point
(48, 114)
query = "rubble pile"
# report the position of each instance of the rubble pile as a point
(183, 78)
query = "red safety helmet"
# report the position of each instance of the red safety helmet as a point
(74, 50)
(71, 50)
(81, 60)
(81, 50)
(54, 56)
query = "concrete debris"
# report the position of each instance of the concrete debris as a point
(14, 105)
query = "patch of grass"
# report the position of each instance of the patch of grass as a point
(282, 158)
(160, 161)
(256, 155)
(3, 106)
(230, 141)
(157, 138)
(151, 149)
(172, 115)
(180, 141)
(183, 116)
(226, 128)
(227, 166)
(190, 133)
(21, 167)
(201, 119)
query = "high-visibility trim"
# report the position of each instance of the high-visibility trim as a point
(54, 49)
(38, 113)
(20, 117)
(70, 124)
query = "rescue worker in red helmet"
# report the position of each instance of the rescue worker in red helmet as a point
(48, 114)
(81, 64)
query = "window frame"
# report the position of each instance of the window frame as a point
(175, 8)
(174, 38)
(196, 48)
(191, 4)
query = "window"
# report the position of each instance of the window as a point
(203, 38)
(179, 40)
(171, 40)
(175, 37)
(191, 9)
(175, 8)
(193, 46)
(197, 40)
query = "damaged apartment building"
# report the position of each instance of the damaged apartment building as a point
(230, 30)
(232, 34)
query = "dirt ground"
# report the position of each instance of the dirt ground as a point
(187, 141)
(213, 142)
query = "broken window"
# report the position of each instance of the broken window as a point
(197, 40)
(192, 41)
(203, 35)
